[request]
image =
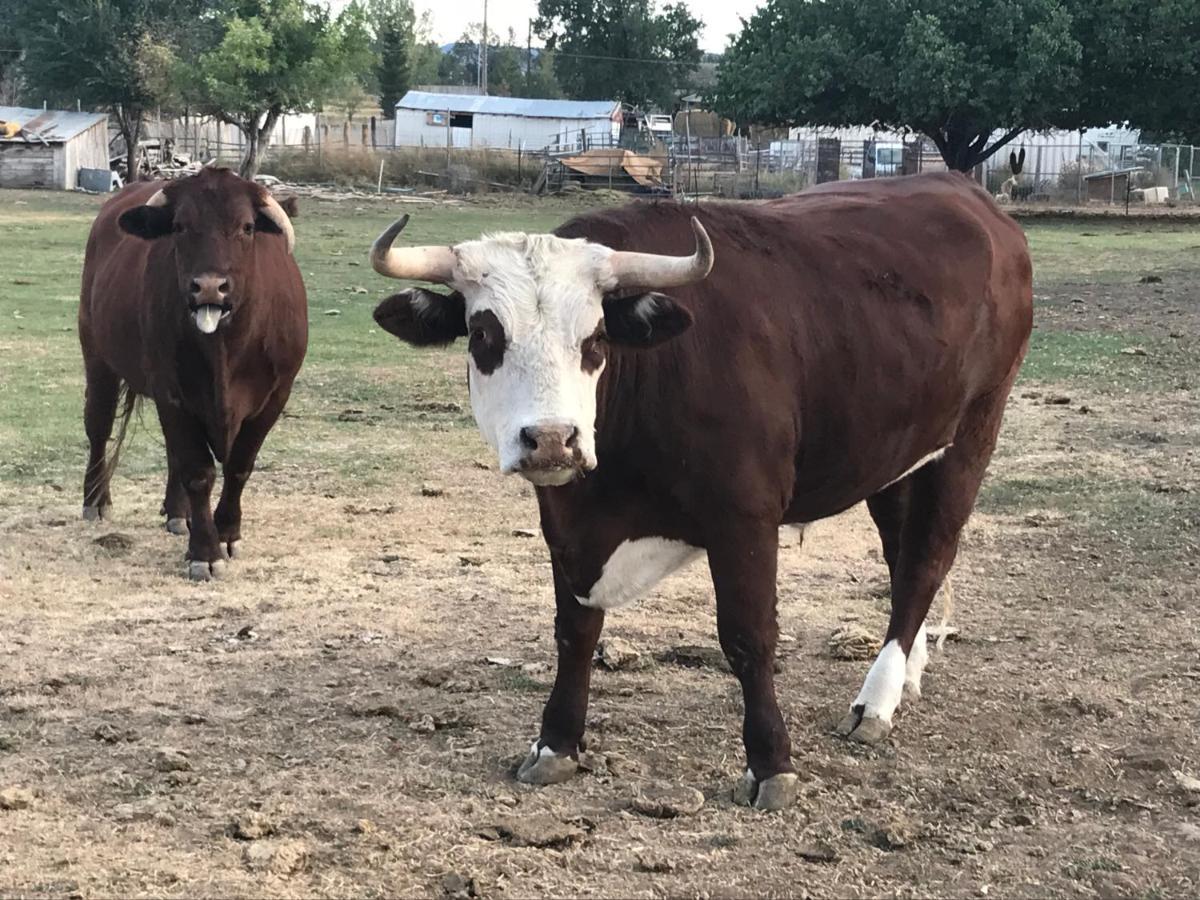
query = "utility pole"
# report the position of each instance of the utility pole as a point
(483, 54)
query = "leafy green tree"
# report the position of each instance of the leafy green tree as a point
(620, 49)
(275, 56)
(111, 54)
(954, 70)
(393, 29)
(10, 49)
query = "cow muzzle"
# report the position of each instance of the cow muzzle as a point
(550, 453)
(208, 301)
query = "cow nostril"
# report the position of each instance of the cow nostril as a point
(195, 286)
(528, 439)
(573, 439)
(223, 288)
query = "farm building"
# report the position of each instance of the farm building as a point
(46, 148)
(462, 120)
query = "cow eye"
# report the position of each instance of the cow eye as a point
(478, 335)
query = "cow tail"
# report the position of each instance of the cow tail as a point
(129, 403)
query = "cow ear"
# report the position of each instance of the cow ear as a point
(423, 318)
(644, 321)
(147, 222)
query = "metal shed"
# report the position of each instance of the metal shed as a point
(461, 120)
(51, 147)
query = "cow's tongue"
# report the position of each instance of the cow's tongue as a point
(207, 317)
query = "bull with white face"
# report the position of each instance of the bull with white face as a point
(539, 312)
(854, 342)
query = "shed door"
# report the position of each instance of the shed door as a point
(461, 128)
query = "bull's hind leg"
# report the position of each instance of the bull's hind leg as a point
(175, 500)
(743, 562)
(920, 519)
(99, 412)
(237, 469)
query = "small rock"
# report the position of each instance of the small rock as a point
(695, 657)
(502, 661)
(1188, 783)
(817, 853)
(1150, 279)
(1133, 351)
(423, 725)
(110, 734)
(539, 830)
(363, 826)
(456, 885)
(115, 543)
(666, 802)
(246, 633)
(469, 561)
(1021, 820)
(853, 642)
(616, 653)
(277, 857)
(8, 743)
(1057, 400)
(169, 760)
(14, 798)
(525, 532)
(194, 719)
(429, 490)
(333, 312)
(649, 861)
(895, 835)
(251, 826)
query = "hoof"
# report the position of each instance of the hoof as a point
(177, 526)
(775, 793)
(544, 766)
(234, 549)
(912, 692)
(863, 728)
(206, 571)
(96, 513)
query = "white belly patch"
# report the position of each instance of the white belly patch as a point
(927, 458)
(635, 567)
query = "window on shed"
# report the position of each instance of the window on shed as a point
(462, 120)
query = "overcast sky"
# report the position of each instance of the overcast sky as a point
(720, 17)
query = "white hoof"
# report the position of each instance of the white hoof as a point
(544, 766)
(96, 513)
(771, 794)
(206, 571)
(177, 526)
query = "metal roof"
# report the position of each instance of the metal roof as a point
(509, 106)
(54, 125)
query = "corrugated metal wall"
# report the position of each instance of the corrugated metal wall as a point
(413, 129)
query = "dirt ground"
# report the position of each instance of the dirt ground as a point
(344, 714)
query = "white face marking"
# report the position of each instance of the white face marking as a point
(635, 567)
(547, 294)
(884, 685)
(924, 460)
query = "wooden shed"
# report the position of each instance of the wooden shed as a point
(50, 147)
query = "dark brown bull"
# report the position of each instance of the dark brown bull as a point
(854, 342)
(191, 297)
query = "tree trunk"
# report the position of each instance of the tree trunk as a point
(258, 139)
(129, 123)
(962, 151)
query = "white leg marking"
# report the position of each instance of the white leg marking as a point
(918, 656)
(635, 567)
(884, 685)
(924, 460)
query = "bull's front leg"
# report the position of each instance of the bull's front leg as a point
(554, 756)
(187, 445)
(743, 563)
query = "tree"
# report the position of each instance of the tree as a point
(272, 57)
(10, 49)
(110, 54)
(954, 70)
(393, 28)
(620, 49)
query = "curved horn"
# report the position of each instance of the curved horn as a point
(159, 199)
(652, 270)
(432, 264)
(273, 211)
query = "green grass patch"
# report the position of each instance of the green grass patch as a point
(1101, 252)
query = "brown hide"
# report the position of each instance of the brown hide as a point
(840, 337)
